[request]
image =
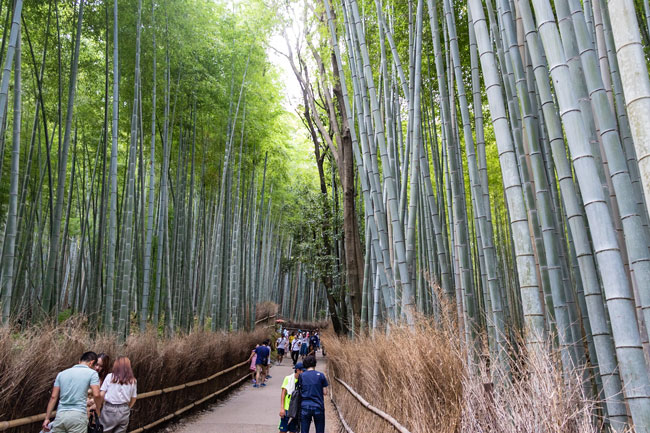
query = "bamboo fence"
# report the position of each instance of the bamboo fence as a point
(5, 425)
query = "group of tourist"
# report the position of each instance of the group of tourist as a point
(310, 386)
(92, 390)
(299, 344)
(305, 384)
(305, 381)
(113, 394)
(302, 344)
(260, 360)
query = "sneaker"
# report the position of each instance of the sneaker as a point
(269, 377)
(262, 384)
(257, 386)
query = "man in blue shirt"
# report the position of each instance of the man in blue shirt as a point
(263, 354)
(314, 388)
(71, 391)
(313, 341)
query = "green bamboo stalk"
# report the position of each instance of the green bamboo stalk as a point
(634, 77)
(112, 229)
(144, 309)
(620, 302)
(129, 206)
(9, 243)
(532, 308)
(50, 289)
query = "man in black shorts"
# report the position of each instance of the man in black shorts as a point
(281, 345)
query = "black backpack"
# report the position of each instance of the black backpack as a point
(296, 401)
(94, 425)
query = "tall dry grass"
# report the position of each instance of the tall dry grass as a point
(415, 375)
(29, 362)
(422, 377)
(308, 326)
(540, 399)
(266, 309)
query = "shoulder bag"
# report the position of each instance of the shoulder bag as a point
(94, 426)
(296, 401)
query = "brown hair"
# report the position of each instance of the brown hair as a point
(122, 372)
(106, 365)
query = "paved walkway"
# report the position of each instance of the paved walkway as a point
(250, 410)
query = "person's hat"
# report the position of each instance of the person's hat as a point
(299, 366)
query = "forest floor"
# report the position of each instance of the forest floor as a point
(251, 410)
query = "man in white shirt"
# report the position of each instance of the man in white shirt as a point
(295, 349)
(281, 345)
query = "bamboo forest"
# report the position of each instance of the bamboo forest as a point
(458, 188)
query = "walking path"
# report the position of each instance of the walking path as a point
(252, 410)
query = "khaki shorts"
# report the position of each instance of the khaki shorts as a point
(70, 421)
(259, 368)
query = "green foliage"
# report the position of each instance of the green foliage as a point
(64, 315)
(311, 221)
(209, 44)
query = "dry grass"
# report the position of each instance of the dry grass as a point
(307, 325)
(414, 375)
(541, 400)
(30, 361)
(266, 309)
(421, 376)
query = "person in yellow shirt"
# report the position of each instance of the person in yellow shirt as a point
(288, 386)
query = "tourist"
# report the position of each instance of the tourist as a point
(314, 388)
(263, 353)
(291, 338)
(288, 386)
(313, 343)
(295, 349)
(267, 366)
(119, 392)
(282, 345)
(70, 391)
(103, 367)
(252, 368)
(304, 346)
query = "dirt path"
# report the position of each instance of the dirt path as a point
(251, 410)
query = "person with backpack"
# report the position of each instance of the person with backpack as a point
(313, 343)
(70, 391)
(263, 353)
(119, 392)
(313, 386)
(288, 424)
